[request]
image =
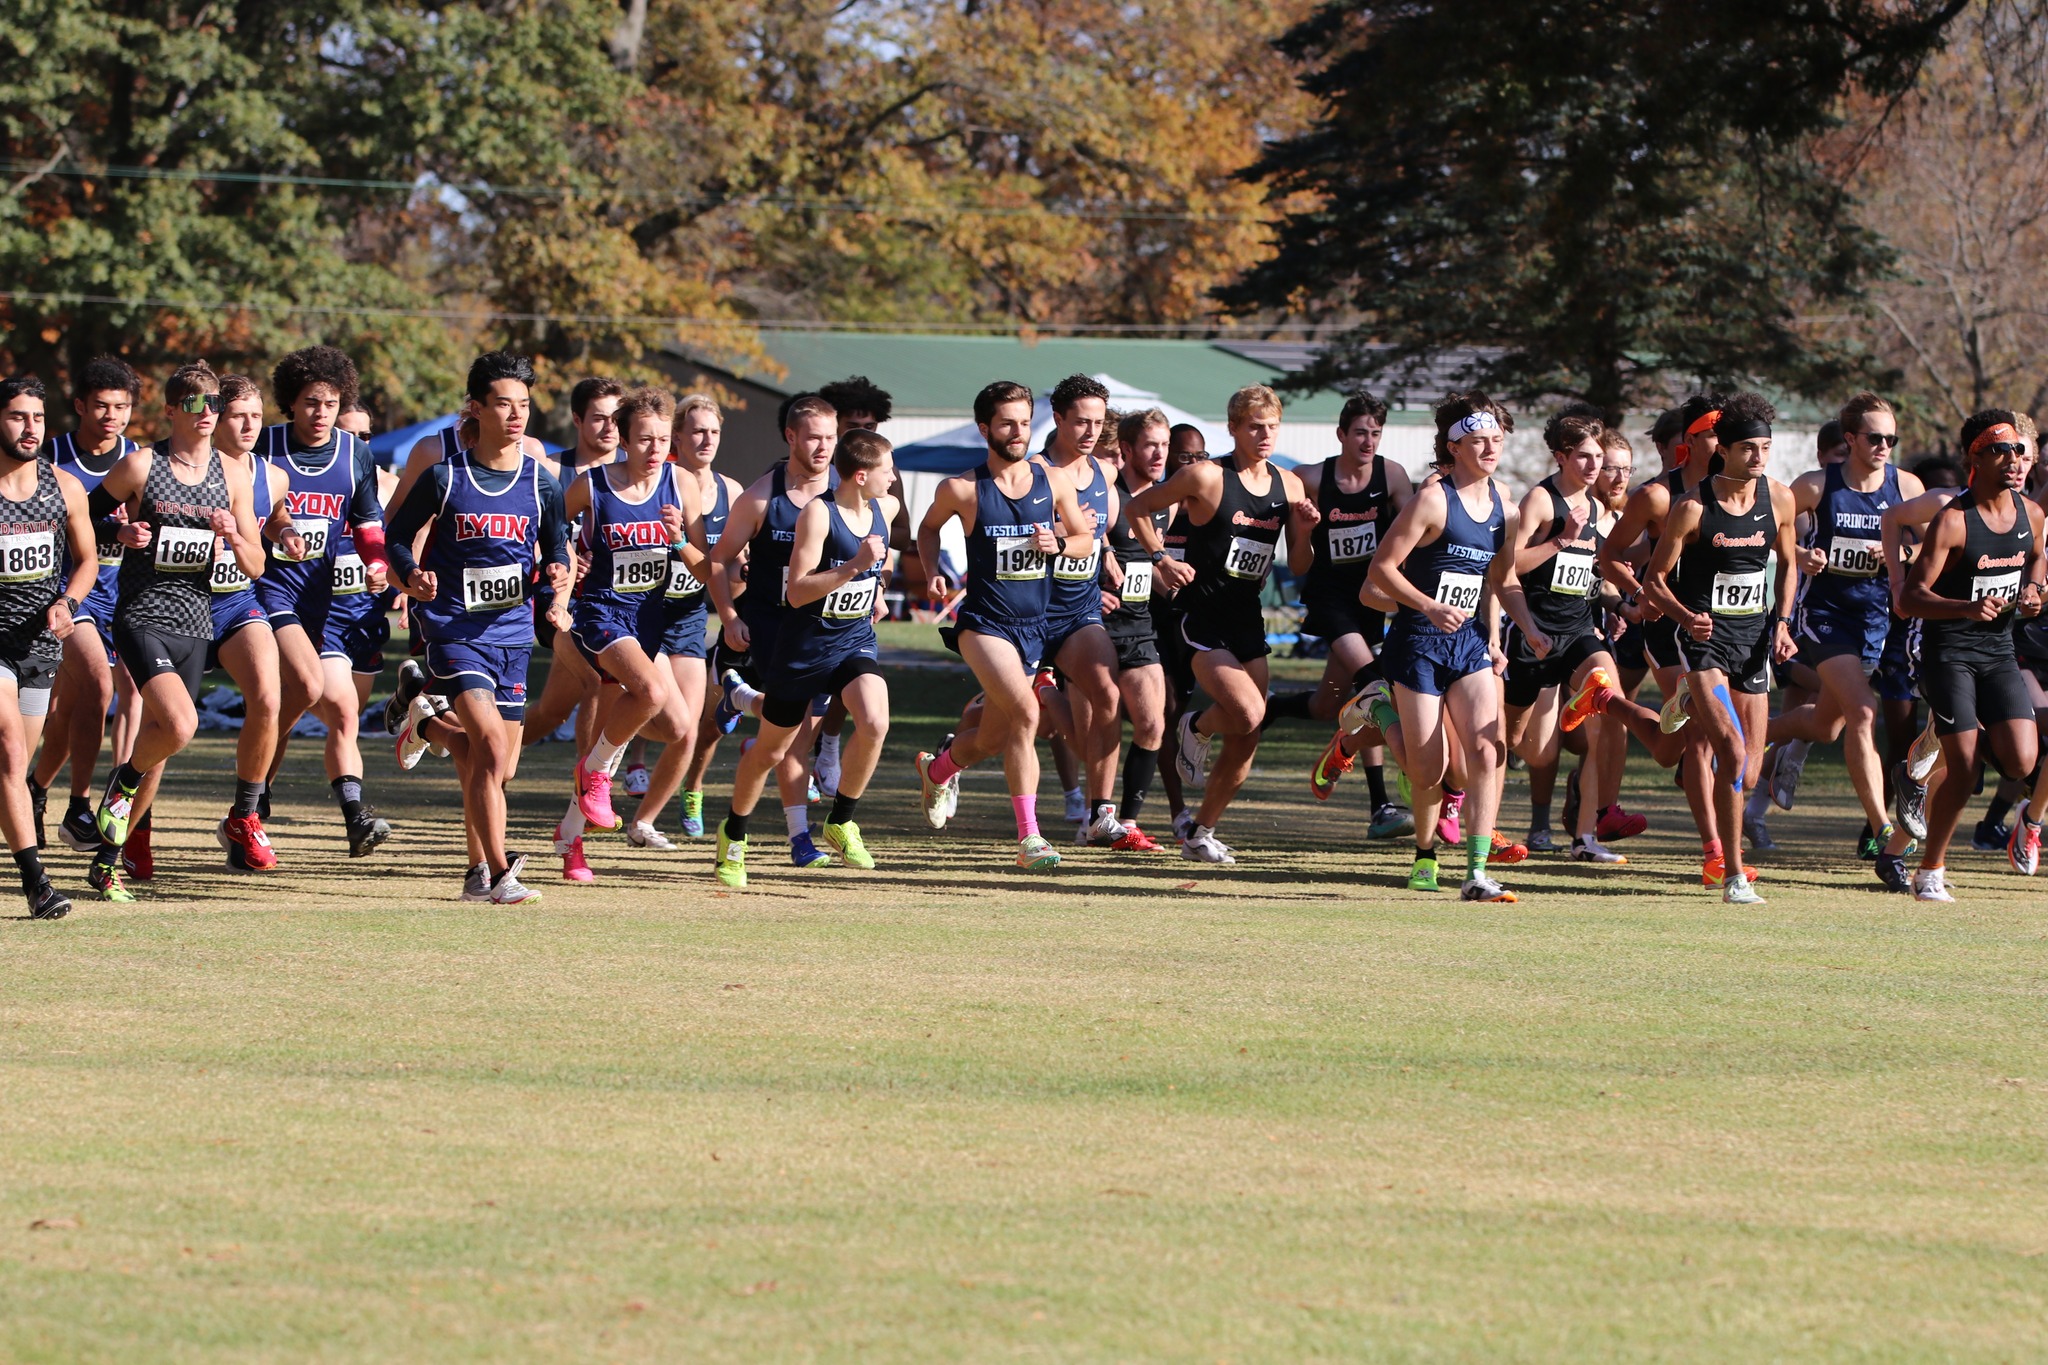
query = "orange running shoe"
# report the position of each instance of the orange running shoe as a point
(1590, 700)
(1506, 850)
(1714, 872)
(1332, 765)
(1135, 840)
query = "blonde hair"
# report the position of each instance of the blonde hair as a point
(698, 402)
(1250, 400)
(1859, 407)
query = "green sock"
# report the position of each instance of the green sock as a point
(1477, 846)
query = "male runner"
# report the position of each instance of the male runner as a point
(1980, 567)
(1186, 445)
(1236, 510)
(496, 522)
(826, 645)
(1708, 574)
(1007, 508)
(333, 486)
(571, 683)
(44, 526)
(859, 404)
(1127, 618)
(181, 506)
(104, 401)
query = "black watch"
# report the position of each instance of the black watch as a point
(1158, 556)
(70, 603)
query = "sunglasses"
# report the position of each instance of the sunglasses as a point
(201, 402)
(2004, 448)
(1885, 440)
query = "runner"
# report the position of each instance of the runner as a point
(494, 516)
(1127, 617)
(358, 620)
(1708, 575)
(181, 506)
(1007, 509)
(332, 487)
(44, 527)
(1236, 510)
(1979, 568)
(104, 401)
(826, 645)
(1358, 495)
(1186, 445)
(1448, 557)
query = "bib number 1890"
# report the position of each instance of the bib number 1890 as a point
(493, 587)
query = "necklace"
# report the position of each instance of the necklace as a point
(189, 464)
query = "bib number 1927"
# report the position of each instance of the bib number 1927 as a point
(851, 601)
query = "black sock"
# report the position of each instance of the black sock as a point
(37, 791)
(349, 791)
(31, 864)
(1366, 677)
(127, 778)
(246, 796)
(263, 802)
(80, 805)
(1998, 810)
(735, 824)
(1376, 785)
(842, 808)
(1289, 706)
(1140, 767)
(1539, 816)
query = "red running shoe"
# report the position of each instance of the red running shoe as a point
(1135, 840)
(248, 846)
(1616, 823)
(1506, 850)
(135, 856)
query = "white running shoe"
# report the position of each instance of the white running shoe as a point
(640, 834)
(1191, 751)
(934, 793)
(477, 885)
(1591, 850)
(412, 742)
(1924, 753)
(1183, 825)
(828, 769)
(1203, 846)
(1929, 885)
(508, 890)
(636, 780)
(1104, 829)
(1677, 707)
(1736, 890)
(1785, 777)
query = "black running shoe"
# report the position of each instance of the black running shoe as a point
(39, 806)
(81, 833)
(48, 902)
(412, 680)
(1990, 838)
(1891, 870)
(365, 833)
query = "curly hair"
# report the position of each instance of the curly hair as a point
(858, 393)
(1458, 406)
(107, 372)
(302, 369)
(1073, 389)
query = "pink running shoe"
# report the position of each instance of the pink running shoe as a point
(594, 799)
(574, 868)
(1447, 830)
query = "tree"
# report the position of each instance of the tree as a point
(1596, 196)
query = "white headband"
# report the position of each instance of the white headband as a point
(1472, 425)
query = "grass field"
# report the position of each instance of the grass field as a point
(942, 1111)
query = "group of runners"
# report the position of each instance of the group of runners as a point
(1116, 576)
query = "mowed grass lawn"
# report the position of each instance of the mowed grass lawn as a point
(945, 1111)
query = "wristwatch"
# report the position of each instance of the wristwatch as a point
(70, 603)
(1158, 556)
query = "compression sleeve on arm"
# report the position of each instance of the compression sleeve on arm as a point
(370, 543)
(420, 507)
(100, 504)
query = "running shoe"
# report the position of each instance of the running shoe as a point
(1891, 870)
(732, 859)
(1506, 850)
(1485, 889)
(1593, 851)
(1373, 705)
(1738, 891)
(78, 831)
(1929, 885)
(1923, 754)
(1870, 845)
(575, 868)
(136, 859)
(412, 681)
(116, 804)
(1035, 853)
(1617, 824)
(366, 832)
(509, 890)
(844, 840)
(805, 853)
(243, 839)
(811, 792)
(2024, 851)
(476, 884)
(1135, 840)
(1102, 831)
(39, 808)
(1571, 802)
(411, 744)
(1191, 752)
(1909, 799)
(1757, 832)
(105, 878)
(693, 815)
(725, 715)
(1714, 871)
(1990, 838)
(1334, 763)
(1448, 829)
(1540, 841)
(48, 902)
(934, 793)
(1785, 777)
(1677, 708)
(1391, 822)
(1422, 875)
(636, 780)
(1183, 825)
(1204, 847)
(1590, 700)
(594, 799)
(640, 834)
(1076, 807)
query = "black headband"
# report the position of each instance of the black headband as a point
(1729, 430)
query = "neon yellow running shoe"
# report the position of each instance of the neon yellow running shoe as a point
(105, 878)
(1333, 764)
(845, 841)
(1422, 876)
(732, 859)
(1035, 854)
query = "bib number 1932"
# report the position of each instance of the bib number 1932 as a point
(1460, 590)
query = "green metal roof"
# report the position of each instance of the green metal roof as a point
(941, 374)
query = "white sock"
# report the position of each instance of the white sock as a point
(604, 755)
(798, 818)
(743, 697)
(572, 825)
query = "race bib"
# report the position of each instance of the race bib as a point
(314, 533)
(1350, 544)
(681, 582)
(852, 601)
(1247, 558)
(1460, 590)
(182, 549)
(351, 576)
(635, 571)
(227, 571)
(1018, 560)
(1855, 558)
(493, 587)
(2006, 585)
(1571, 573)
(1070, 570)
(1177, 553)
(1738, 594)
(27, 556)
(1137, 583)
(108, 548)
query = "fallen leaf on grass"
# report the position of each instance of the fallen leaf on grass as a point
(55, 1225)
(734, 986)
(757, 1287)
(1187, 886)
(636, 1306)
